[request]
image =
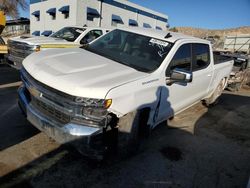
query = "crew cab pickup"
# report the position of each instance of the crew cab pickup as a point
(67, 37)
(123, 84)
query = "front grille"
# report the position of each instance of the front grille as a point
(15, 53)
(29, 79)
(55, 104)
(51, 111)
(20, 49)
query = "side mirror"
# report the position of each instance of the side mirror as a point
(179, 75)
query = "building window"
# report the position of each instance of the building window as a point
(132, 22)
(52, 13)
(146, 25)
(47, 33)
(92, 13)
(158, 28)
(116, 20)
(36, 33)
(37, 15)
(65, 11)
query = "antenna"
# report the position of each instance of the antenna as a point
(168, 36)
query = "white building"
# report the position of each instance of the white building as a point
(48, 16)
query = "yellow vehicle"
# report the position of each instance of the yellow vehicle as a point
(3, 47)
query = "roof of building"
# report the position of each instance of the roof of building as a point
(18, 21)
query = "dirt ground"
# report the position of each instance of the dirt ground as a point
(201, 147)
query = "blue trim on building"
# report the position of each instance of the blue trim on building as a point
(133, 9)
(64, 9)
(132, 22)
(36, 13)
(47, 33)
(36, 33)
(117, 19)
(158, 28)
(123, 6)
(51, 11)
(92, 12)
(146, 25)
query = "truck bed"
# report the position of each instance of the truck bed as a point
(218, 58)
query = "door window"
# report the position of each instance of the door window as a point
(90, 36)
(181, 59)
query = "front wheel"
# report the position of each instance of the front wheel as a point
(128, 134)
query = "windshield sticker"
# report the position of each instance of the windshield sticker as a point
(160, 44)
(79, 31)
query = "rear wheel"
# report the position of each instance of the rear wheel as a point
(217, 92)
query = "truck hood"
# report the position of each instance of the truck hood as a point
(41, 40)
(79, 72)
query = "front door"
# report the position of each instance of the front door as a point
(178, 96)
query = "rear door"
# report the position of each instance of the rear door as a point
(202, 69)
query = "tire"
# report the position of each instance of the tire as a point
(128, 134)
(213, 100)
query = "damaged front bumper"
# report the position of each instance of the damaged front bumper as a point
(87, 139)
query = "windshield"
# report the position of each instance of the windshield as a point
(140, 52)
(68, 33)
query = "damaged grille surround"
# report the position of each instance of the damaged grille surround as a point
(58, 106)
(20, 49)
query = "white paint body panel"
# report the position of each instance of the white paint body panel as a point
(41, 40)
(82, 73)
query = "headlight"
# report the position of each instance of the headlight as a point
(37, 48)
(94, 112)
(97, 103)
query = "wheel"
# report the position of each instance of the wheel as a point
(128, 134)
(217, 92)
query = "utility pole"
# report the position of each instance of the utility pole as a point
(100, 10)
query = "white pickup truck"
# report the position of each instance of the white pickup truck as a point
(67, 37)
(123, 84)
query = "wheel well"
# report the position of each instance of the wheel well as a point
(144, 127)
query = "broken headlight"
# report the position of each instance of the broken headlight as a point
(94, 107)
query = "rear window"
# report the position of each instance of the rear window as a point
(201, 56)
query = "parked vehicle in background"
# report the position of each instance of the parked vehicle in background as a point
(67, 37)
(3, 47)
(120, 87)
(240, 72)
(237, 43)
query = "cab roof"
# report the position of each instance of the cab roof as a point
(163, 35)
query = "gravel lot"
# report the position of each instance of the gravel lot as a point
(201, 147)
